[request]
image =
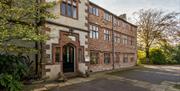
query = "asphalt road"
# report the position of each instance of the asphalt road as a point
(153, 76)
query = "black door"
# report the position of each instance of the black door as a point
(68, 58)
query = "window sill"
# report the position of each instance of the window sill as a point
(93, 14)
(69, 17)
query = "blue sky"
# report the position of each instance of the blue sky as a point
(129, 6)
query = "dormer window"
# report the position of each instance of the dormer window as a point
(69, 8)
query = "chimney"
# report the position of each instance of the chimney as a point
(123, 16)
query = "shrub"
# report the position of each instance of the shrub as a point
(157, 56)
(8, 82)
(141, 57)
(12, 69)
(176, 55)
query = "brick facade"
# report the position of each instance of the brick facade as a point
(103, 46)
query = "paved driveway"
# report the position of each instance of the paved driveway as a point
(150, 78)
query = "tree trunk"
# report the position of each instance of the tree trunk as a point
(41, 59)
(36, 59)
(147, 55)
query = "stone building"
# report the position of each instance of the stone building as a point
(80, 40)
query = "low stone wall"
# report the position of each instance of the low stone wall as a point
(52, 71)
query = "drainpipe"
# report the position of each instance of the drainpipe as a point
(113, 47)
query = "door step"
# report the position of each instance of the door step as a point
(70, 75)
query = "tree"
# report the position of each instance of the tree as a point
(154, 26)
(21, 22)
(18, 22)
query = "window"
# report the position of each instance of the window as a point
(94, 57)
(131, 41)
(107, 35)
(117, 37)
(117, 57)
(115, 22)
(81, 54)
(125, 58)
(107, 16)
(106, 58)
(69, 8)
(132, 59)
(94, 11)
(94, 31)
(56, 54)
(123, 26)
(125, 39)
(63, 8)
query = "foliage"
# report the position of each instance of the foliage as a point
(22, 21)
(176, 55)
(13, 69)
(141, 57)
(170, 52)
(157, 56)
(165, 54)
(153, 26)
(7, 81)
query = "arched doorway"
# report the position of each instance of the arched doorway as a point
(69, 58)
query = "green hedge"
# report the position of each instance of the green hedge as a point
(161, 55)
(157, 56)
(12, 69)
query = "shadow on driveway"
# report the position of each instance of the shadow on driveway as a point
(153, 76)
(102, 84)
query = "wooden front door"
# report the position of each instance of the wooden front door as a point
(68, 58)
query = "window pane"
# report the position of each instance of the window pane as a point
(106, 58)
(91, 34)
(69, 10)
(97, 35)
(97, 12)
(90, 10)
(74, 3)
(74, 12)
(69, 1)
(94, 28)
(94, 35)
(57, 54)
(90, 27)
(81, 55)
(94, 11)
(93, 58)
(63, 8)
(97, 29)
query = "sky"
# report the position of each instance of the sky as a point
(130, 6)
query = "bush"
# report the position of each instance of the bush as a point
(141, 57)
(157, 56)
(176, 55)
(12, 69)
(7, 82)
